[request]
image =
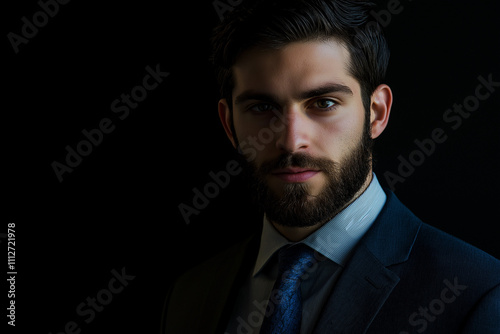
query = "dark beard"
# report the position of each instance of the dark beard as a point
(295, 207)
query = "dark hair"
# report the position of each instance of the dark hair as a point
(272, 24)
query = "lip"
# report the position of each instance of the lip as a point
(293, 174)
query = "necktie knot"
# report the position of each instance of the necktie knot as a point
(294, 261)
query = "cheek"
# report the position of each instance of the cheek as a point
(338, 136)
(255, 136)
(246, 125)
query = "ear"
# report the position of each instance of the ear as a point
(380, 109)
(225, 117)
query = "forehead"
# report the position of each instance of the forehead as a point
(296, 67)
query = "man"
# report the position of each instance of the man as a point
(302, 82)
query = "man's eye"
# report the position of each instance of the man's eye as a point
(262, 107)
(325, 104)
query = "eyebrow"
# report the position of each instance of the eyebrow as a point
(318, 91)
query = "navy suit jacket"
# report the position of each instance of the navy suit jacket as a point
(403, 277)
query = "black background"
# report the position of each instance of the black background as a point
(119, 207)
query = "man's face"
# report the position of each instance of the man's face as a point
(299, 120)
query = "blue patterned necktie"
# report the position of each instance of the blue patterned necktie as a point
(286, 312)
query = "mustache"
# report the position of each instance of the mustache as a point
(299, 160)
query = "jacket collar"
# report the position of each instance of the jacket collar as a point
(393, 234)
(366, 281)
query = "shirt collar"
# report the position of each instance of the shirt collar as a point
(338, 237)
(270, 242)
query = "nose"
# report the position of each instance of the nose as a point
(295, 135)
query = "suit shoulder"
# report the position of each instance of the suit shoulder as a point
(430, 254)
(428, 243)
(440, 253)
(452, 247)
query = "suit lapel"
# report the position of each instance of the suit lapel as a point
(366, 282)
(359, 294)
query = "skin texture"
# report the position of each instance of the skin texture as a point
(320, 110)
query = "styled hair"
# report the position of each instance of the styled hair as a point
(273, 24)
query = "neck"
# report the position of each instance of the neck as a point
(295, 234)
